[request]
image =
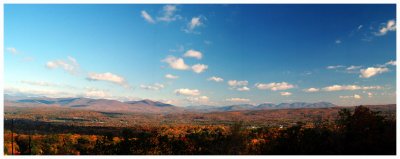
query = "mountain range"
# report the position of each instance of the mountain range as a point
(144, 106)
(265, 106)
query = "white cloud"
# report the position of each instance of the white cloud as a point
(355, 96)
(359, 27)
(285, 93)
(372, 71)
(201, 99)
(349, 88)
(38, 92)
(341, 87)
(168, 14)
(93, 93)
(389, 26)
(235, 83)
(194, 23)
(239, 85)
(311, 90)
(238, 100)
(352, 67)
(370, 94)
(71, 65)
(147, 17)
(338, 41)
(215, 79)
(109, 77)
(176, 63)
(193, 53)
(154, 87)
(12, 50)
(48, 84)
(39, 83)
(334, 67)
(169, 76)
(242, 89)
(199, 68)
(371, 87)
(168, 101)
(187, 92)
(274, 86)
(391, 62)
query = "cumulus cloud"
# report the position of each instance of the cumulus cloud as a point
(334, 67)
(235, 83)
(70, 65)
(199, 68)
(372, 71)
(12, 50)
(169, 76)
(242, 89)
(311, 90)
(109, 77)
(215, 79)
(274, 86)
(341, 87)
(176, 63)
(194, 23)
(349, 88)
(285, 93)
(389, 26)
(154, 87)
(238, 100)
(187, 92)
(168, 14)
(147, 17)
(193, 53)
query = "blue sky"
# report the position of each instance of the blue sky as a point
(203, 54)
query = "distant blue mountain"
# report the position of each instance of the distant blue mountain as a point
(149, 105)
(264, 106)
(149, 102)
(144, 106)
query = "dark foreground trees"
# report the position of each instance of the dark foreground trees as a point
(366, 132)
(358, 132)
(362, 132)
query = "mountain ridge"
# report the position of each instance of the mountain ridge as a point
(146, 105)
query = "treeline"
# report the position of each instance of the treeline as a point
(359, 132)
